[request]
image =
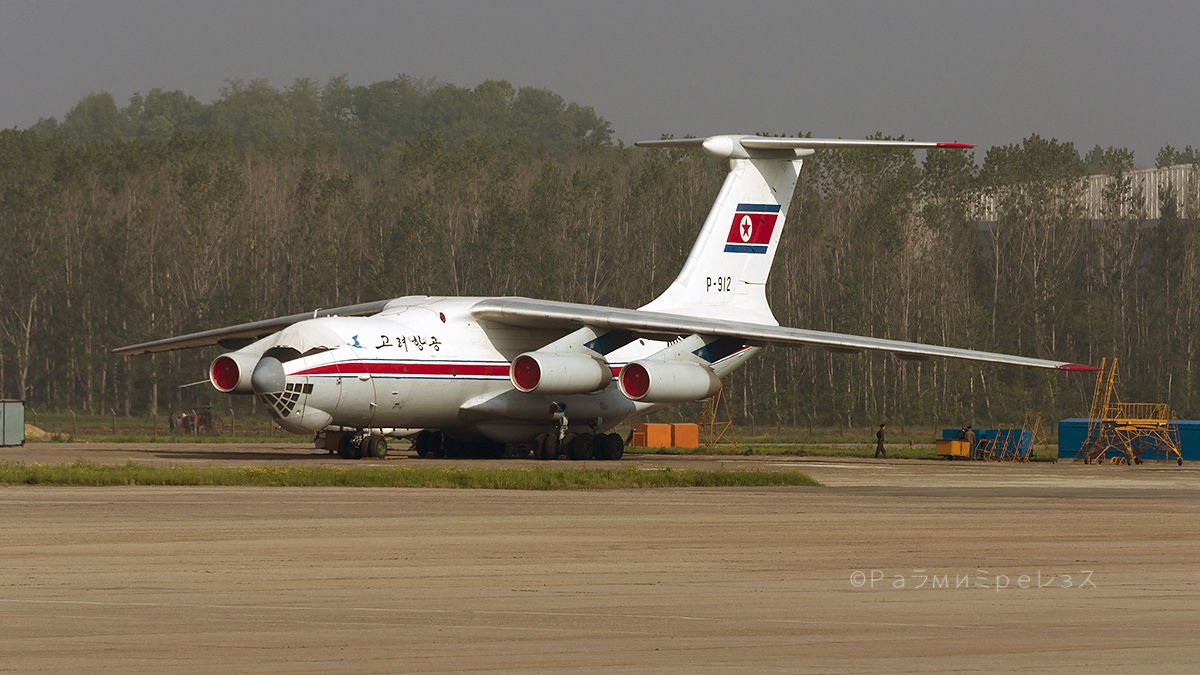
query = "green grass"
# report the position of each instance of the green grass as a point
(1046, 453)
(239, 439)
(241, 427)
(897, 435)
(794, 450)
(539, 478)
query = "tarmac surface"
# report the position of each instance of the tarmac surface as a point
(893, 566)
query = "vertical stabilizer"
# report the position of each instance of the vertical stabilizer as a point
(725, 276)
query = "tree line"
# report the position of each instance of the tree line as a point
(358, 120)
(119, 228)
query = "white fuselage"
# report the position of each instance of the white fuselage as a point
(426, 362)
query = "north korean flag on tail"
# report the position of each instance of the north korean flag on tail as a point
(750, 231)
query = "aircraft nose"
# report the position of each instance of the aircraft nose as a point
(268, 376)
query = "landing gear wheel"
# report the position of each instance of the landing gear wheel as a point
(378, 447)
(546, 447)
(610, 447)
(581, 447)
(345, 445)
(356, 448)
(422, 443)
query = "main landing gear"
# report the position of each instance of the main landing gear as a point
(609, 447)
(547, 446)
(356, 445)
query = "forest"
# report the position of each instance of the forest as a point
(168, 215)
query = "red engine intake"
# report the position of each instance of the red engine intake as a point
(667, 381)
(536, 372)
(526, 373)
(634, 381)
(230, 373)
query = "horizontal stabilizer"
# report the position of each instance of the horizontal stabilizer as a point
(744, 147)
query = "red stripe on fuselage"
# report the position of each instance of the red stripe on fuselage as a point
(418, 368)
(409, 368)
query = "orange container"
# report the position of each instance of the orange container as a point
(658, 435)
(639, 436)
(686, 435)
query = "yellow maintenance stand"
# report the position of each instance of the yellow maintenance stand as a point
(1016, 445)
(716, 424)
(1126, 433)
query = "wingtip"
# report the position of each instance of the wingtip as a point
(955, 145)
(1078, 367)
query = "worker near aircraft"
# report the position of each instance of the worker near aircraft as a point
(880, 451)
(967, 435)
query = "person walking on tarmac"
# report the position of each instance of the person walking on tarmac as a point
(880, 451)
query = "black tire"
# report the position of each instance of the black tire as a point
(379, 447)
(345, 446)
(422, 442)
(551, 447)
(539, 447)
(610, 448)
(357, 448)
(582, 447)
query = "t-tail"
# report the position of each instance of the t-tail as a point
(725, 276)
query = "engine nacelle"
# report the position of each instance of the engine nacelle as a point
(543, 373)
(668, 381)
(230, 373)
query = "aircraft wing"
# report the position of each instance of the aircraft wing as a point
(658, 325)
(244, 333)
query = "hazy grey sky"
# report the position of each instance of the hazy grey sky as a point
(987, 72)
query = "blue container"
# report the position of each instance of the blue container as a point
(1189, 439)
(1004, 442)
(1071, 434)
(952, 434)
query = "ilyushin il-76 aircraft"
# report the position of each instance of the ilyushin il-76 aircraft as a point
(512, 375)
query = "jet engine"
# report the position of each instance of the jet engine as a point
(668, 381)
(543, 373)
(230, 373)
